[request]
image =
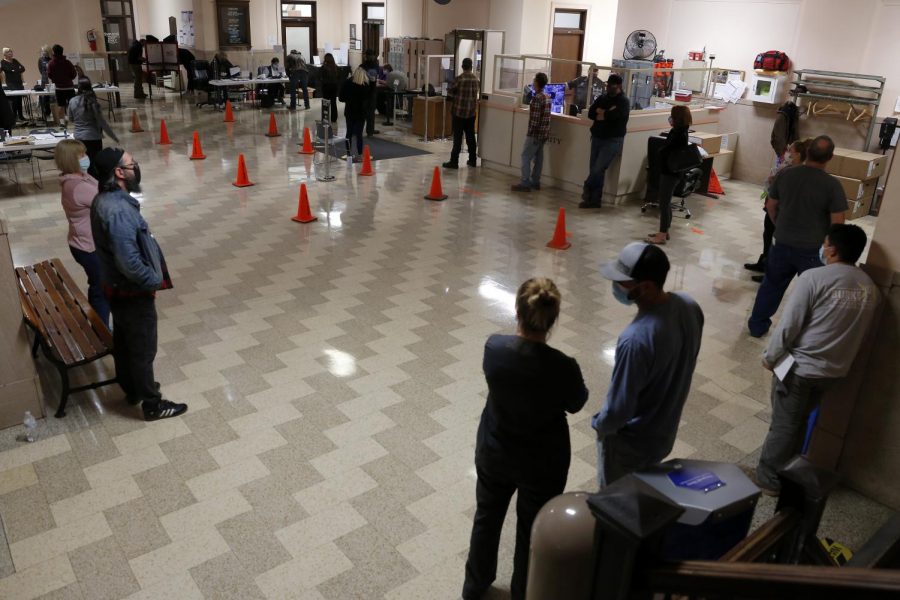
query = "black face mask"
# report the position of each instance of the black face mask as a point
(133, 184)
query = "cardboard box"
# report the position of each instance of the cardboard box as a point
(711, 142)
(722, 163)
(437, 108)
(856, 189)
(837, 161)
(858, 208)
(863, 165)
(729, 141)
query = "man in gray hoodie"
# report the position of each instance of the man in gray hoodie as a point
(132, 270)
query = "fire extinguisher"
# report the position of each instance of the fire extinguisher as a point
(92, 39)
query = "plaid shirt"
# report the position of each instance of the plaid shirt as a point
(539, 117)
(464, 90)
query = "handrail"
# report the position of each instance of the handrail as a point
(761, 541)
(770, 581)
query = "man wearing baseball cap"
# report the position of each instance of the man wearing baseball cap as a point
(655, 360)
(133, 269)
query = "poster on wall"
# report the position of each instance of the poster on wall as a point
(234, 23)
(186, 29)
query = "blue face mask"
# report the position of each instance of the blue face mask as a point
(822, 255)
(84, 162)
(621, 294)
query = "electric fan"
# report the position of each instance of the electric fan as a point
(640, 45)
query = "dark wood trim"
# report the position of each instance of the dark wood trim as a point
(311, 22)
(220, 30)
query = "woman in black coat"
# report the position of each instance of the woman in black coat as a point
(680, 120)
(12, 74)
(355, 95)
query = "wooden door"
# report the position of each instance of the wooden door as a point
(568, 43)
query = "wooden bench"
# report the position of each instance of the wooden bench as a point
(65, 326)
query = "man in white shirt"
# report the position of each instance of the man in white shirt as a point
(823, 325)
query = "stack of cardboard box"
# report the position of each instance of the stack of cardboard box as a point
(858, 173)
(721, 147)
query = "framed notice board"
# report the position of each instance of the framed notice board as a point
(233, 18)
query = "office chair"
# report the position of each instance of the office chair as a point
(201, 81)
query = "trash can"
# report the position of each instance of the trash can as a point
(719, 501)
(561, 560)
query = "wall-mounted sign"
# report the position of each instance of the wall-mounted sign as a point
(234, 23)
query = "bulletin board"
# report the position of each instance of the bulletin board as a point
(233, 18)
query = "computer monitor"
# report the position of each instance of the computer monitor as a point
(556, 92)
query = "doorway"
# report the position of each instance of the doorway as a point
(118, 33)
(373, 26)
(298, 28)
(568, 42)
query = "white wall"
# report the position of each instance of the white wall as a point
(152, 16)
(459, 14)
(600, 30)
(507, 16)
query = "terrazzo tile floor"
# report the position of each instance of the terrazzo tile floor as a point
(333, 371)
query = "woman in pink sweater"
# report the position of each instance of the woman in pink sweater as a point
(78, 191)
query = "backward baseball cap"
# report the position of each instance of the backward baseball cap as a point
(638, 261)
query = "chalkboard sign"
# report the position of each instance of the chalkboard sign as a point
(234, 23)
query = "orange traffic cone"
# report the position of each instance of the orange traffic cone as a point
(714, 187)
(307, 143)
(367, 162)
(197, 150)
(273, 127)
(303, 213)
(436, 192)
(242, 179)
(559, 241)
(163, 133)
(135, 123)
(229, 115)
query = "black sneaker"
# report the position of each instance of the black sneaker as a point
(536, 187)
(586, 204)
(757, 278)
(164, 410)
(471, 163)
(520, 188)
(450, 165)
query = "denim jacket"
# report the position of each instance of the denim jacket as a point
(132, 263)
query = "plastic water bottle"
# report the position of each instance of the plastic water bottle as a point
(30, 427)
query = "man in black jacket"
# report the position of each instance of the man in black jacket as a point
(609, 114)
(135, 62)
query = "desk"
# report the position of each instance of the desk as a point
(224, 84)
(28, 104)
(12, 154)
(27, 95)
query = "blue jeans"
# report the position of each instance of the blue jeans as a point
(300, 78)
(603, 152)
(783, 263)
(533, 151)
(91, 265)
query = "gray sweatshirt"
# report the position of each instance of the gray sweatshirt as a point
(825, 321)
(89, 124)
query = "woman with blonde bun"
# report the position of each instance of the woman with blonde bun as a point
(523, 438)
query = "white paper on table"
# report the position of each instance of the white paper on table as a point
(783, 367)
(317, 60)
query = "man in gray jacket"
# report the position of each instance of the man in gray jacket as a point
(821, 329)
(132, 270)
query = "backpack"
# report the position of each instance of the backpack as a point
(772, 60)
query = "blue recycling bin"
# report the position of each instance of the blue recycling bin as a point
(718, 501)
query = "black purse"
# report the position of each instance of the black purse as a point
(679, 159)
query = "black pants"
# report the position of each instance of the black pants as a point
(134, 347)
(329, 92)
(666, 188)
(92, 149)
(370, 114)
(463, 126)
(493, 492)
(16, 103)
(768, 235)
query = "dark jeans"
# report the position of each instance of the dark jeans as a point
(138, 73)
(782, 264)
(792, 402)
(533, 151)
(493, 492)
(16, 104)
(355, 129)
(615, 459)
(91, 265)
(666, 188)
(92, 149)
(603, 152)
(300, 78)
(134, 347)
(463, 126)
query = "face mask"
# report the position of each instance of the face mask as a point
(671, 122)
(133, 184)
(822, 255)
(621, 294)
(84, 162)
